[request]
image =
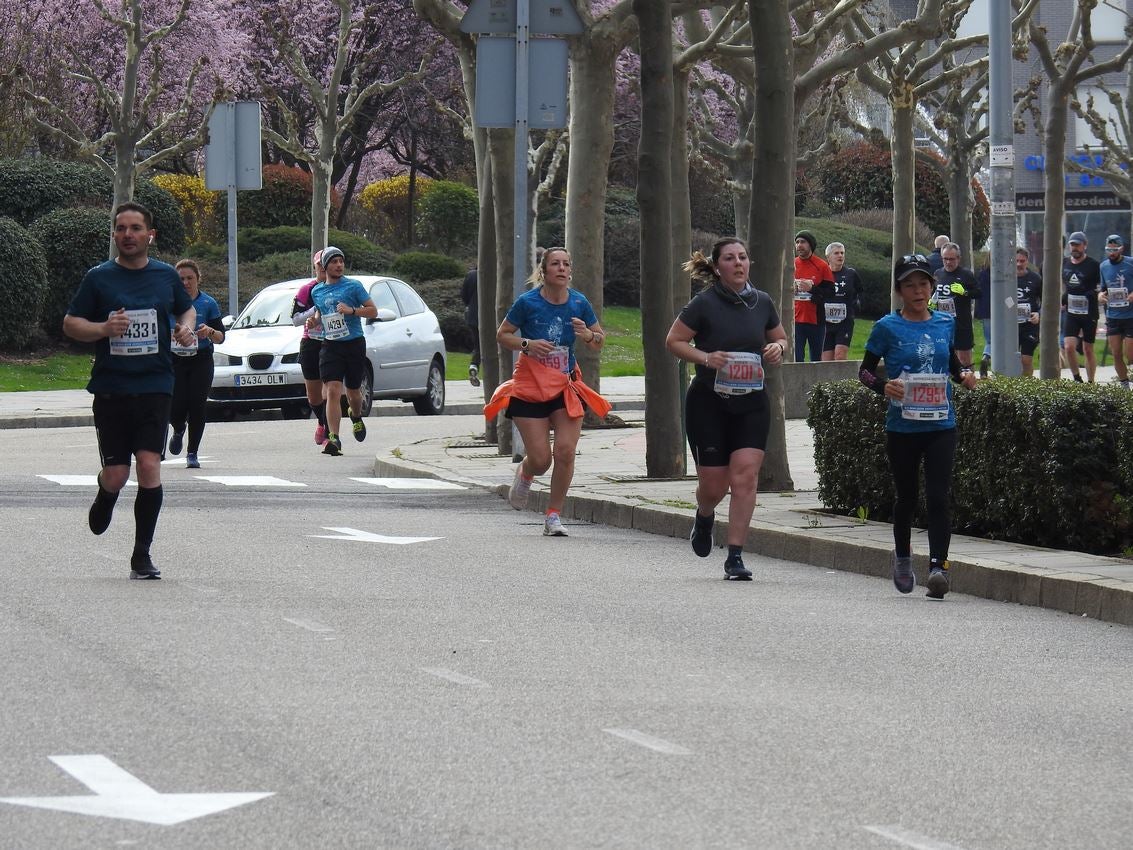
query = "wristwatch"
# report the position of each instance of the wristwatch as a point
(523, 343)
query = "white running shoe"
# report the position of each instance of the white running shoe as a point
(520, 489)
(553, 526)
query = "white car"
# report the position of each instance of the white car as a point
(257, 365)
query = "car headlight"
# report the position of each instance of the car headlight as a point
(290, 358)
(221, 359)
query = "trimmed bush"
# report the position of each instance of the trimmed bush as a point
(621, 286)
(79, 239)
(861, 177)
(32, 186)
(362, 256)
(197, 204)
(449, 215)
(385, 204)
(420, 266)
(23, 285)
(1026, 450)
(443, 298)
(285, 199)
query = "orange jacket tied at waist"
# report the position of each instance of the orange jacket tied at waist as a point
(532, 381)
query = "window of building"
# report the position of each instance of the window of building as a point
(1108, 21)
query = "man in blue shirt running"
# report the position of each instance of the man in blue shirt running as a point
(1117, 275)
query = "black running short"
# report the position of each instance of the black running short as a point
(309, 350)
(518, 407)
(1028, 339)
(343, 361)
(717, 426)
(1086, 324)
(965, 338)
(1119, 328)
(838, 333)
(128, 424)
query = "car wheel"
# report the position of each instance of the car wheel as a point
(296, 410)
(367, 390)
(432, 403)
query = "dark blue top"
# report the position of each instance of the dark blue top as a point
(106, 288)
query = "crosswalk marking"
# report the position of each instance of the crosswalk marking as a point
(250, 481)
(79, 480)
(411, 483)
(453, 676)
(648, 741)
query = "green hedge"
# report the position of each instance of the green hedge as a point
(79, 240)
(419, 266)
(33, 186)
(23, 285)
(449, 216)
(362, 255)
(1044, 463)
(443, 298)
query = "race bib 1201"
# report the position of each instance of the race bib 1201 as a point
(742, 374)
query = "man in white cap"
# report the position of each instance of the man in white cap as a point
(1081, 280)
(1117, 275)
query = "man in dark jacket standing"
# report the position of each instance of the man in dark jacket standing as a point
(472, 319)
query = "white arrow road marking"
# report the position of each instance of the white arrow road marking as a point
(368, 537)
(453, 676)
(79, 480)
(309, 625)
(643, 740)
(910, 839)
(118, 794)
(250, 481)
(411, 483)
(174, 461)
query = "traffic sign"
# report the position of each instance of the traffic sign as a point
(495, 82)
(232, 155)
(548, 17)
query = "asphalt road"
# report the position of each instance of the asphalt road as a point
(481, 686)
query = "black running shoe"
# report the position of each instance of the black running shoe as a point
(141, 567)
(734, 569)
(358, 426)
(101, 512)
(175, 442)
(937, 582)
(701, 535)
(333, 446)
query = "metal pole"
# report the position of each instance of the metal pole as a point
(233, 271)
(519, 251)
(1004, 326)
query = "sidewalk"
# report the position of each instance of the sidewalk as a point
(610, 487)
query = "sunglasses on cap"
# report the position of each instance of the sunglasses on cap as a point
(913, 258)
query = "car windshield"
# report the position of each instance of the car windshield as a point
(267, 310)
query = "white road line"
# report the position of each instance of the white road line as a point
(411, 483)
(200, 588)
(908, 838)
(250, 481)
(309, 625)
(648, 741)
(369, 537)
(79, 480)
(453, 676)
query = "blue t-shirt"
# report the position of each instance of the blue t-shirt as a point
(207, 309)
(923, 347)
(110, 286)
(538, 318)
(347, 290)
(1119, 275)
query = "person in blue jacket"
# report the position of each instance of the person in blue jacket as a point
(918, 347)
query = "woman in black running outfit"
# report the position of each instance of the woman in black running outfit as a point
(730, 330)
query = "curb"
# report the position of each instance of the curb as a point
(1078, 593)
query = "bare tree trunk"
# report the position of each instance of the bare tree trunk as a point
(960, 204)
(591, 140)
(773, 169)
(1054, 152)
(664, 451)
(487, 320)
(320, 202)
(501, 152)
(681, 221)
(904, 173)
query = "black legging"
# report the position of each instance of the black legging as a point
(906, 451)
(192, 377)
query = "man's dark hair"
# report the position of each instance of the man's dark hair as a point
(134, 206)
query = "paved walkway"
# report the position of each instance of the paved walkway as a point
(611, 487)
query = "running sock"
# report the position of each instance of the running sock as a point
(321, 413)
(735, 551)
(937, 563)
(147, 505)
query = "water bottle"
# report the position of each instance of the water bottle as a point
(904, 374)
